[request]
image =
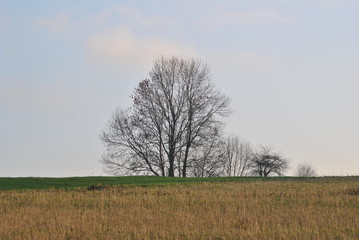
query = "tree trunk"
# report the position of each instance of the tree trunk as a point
(171, 160)
(184, 169)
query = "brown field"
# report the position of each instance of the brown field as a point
(247, 210)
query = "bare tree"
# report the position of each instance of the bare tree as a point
(168, 122)
(207, 159)
(237, 154)
(265, 162)
(306, 170)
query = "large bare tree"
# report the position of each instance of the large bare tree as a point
(175, 112)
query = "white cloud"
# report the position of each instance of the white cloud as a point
(256, 17)
(58, 24)
(121, 46)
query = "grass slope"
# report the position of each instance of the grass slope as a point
(85, 182)
(285, 208)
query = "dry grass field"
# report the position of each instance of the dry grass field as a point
(232, 210)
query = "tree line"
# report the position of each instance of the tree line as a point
(175, 127)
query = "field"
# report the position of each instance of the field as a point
(85, 182)
(166, 208)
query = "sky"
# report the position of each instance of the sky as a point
(290, 68)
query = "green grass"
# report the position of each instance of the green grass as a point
(85, 182)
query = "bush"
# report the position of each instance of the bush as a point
(97, 186)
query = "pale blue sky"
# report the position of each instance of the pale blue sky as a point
(290, 68)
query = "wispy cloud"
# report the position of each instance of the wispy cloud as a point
(132, 14)
(39, 98)
(4, 20)
(121, 46)
(58, 24)
(256, 17)
(231, 63)
(331, 3)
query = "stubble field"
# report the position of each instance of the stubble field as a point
(290, 209)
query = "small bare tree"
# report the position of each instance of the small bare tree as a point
(237, 154)
(306, 170)
(265, 162)
(208, 158)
